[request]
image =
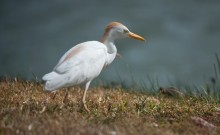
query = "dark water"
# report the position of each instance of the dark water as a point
(182, 37)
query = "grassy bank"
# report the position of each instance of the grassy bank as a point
(26, 109)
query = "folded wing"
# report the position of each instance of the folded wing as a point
(80, 64)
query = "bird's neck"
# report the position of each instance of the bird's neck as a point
(108, 40)
(110, 47)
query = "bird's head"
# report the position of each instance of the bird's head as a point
(116, 30)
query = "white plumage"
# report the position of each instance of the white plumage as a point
(84, 65)
(84, 62)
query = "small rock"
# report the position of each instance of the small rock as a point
(155, 125)
(17, 131)
(203, 123)
(30, 127)
(171, 91)
(112, 132)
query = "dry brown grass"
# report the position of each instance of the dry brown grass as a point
(26, 109)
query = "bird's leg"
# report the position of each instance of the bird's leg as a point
(54, 95)
(66, 95)
(119, 55)
(84, 97)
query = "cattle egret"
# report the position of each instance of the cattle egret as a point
(84, 62)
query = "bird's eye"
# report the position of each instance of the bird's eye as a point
(125, 31)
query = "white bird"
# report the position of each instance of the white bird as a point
(84, 62)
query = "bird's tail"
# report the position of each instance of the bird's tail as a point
(53, 81)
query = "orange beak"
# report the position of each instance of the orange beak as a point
(132, 35)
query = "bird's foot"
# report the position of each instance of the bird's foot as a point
(54, 95)
(65, 99)
(119, 55)
(85, 107)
